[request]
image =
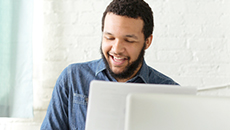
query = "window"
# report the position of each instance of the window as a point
(16, 59)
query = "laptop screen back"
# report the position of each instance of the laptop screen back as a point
(107, 101)
(176, 112)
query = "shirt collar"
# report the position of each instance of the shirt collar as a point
(143, 72)
(100, 67)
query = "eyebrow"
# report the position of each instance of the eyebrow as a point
(130, 36)
(108, 33)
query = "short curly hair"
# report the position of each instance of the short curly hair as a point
(132, 9)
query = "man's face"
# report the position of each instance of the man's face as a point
(122, 44)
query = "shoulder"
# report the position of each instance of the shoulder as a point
(159, 78)
(83, 66)
(79, 69)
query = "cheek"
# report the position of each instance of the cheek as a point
(134, 52)
(105, 48)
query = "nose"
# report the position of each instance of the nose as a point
(118, 47)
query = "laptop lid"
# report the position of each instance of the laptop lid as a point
(106, 104)
(176, 112)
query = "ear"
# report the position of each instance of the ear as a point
(148, 41)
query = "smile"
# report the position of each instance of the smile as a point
(118, 60)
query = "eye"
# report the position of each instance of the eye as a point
(109, 38)
(129, 41)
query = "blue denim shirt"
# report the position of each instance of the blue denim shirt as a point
(67, 108)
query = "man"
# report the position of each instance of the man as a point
(127, 27)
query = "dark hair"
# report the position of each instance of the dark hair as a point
(132, 9)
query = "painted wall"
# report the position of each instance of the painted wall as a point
(191, 45)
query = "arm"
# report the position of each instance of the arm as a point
(57, 113)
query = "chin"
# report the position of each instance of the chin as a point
(117, 71)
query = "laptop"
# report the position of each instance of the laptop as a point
(107, 101)
(177, 112)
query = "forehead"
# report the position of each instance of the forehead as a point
(121, 24)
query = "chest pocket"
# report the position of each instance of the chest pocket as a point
(79, 109)
(80, 99)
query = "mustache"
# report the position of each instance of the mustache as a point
(117, 55)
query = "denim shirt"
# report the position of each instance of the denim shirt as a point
(68, 106)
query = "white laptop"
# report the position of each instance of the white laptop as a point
(177, 112)
(106, 104)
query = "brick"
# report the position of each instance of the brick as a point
(174, 56)
(150, 55)
(90, 18)
(193, 31)
(215, 7)
(160, 30)
(82, 5)
(42, 97)
(169, 43)
(176, 30)
(189, 81)
(199, 69)
(100, 5)
(23, 126)
(208, 44)
(165, 19)
(211, 56)
(216, 81)
(52, 30)
(39, 116)
(172, 69)
(83, 30)
(47, 6)
(210, 31)
(174, 7)
(62, 6)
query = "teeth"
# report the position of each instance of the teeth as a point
(119, 58)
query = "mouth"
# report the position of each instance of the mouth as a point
(118, 60)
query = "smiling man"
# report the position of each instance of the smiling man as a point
(127, 27)
(123, 45)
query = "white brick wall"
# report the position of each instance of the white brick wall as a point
(191, 44)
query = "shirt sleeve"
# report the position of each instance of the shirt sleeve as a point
(57, 113)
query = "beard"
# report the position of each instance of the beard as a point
(129, 69)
